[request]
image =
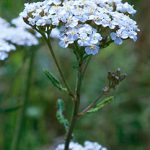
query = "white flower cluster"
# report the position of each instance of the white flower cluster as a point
(85, 35)
(11, 36)
(89, 23)
(87, 146)
(19, 23)
(5, 47)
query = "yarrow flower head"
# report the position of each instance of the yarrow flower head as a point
(87, 146)
(11, 36)
(88, 25)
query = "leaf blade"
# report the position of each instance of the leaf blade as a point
(60, 114)
(54, 81)
(101, 104)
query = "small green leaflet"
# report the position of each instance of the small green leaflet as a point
(60, 116)
(101, 104)
(54, 81)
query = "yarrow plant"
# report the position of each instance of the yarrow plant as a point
(86, 27)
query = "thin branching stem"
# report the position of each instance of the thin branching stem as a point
(57, 65)
(76, 106)
(92, 104)
(86, 65)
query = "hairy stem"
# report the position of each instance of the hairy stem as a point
(76, 107)
(21, 117)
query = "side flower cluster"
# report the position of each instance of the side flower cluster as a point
(85, 35)
(84, 23)
(15, 34)
(87, 146)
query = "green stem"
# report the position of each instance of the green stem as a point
(14, 78)
(76, 107)
(46, 37)
(57, 65)
(91, 105)
(86, 65)
(21, 117)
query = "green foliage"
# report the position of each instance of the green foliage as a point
(60, 114)
(54, 81)
(101, 104)
(9, 109)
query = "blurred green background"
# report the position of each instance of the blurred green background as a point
(123, 125)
